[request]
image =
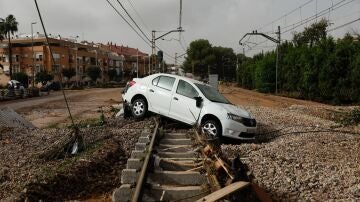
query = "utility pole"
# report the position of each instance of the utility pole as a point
(277, 59)
(137, 63)
(277, 41)
(153, 39)
(33, 56)
(149, 65)
(144, 67)
(175, 59)
(152, 47)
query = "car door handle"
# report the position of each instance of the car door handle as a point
(151, 90)
(175, 98)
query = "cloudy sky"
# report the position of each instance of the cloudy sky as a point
(222, 22)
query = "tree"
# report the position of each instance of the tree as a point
(93, 72)
(21, 77)
(10, 26)
(2, 35)
(112, 74)
(199, 57)
(202, 59)
(43, 77)
(69, 72)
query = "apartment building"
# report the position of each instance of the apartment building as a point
(135, 61)
(67, 53)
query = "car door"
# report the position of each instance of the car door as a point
(160, 93)
(183, 105)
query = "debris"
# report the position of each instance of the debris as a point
(9, 118)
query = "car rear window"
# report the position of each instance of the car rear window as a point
(165, 82)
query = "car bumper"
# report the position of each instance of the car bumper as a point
(237, 130)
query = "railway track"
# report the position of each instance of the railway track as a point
(173, 165)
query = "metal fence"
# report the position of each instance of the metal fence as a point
(12, 94)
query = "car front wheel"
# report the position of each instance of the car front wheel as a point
(138, 108)
(211, 128)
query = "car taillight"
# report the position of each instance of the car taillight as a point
(131, 83)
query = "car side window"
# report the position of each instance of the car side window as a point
(155, 81)
(185, 89)
(166, 82)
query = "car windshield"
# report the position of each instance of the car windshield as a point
(212, 94)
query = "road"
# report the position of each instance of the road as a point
(50, 110)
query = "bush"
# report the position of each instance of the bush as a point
(93, 72)
(21, 77)
(43, 77)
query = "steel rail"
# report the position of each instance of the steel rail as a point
(139, 184)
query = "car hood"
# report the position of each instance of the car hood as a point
(230, 108)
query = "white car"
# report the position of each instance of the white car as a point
(188, 101)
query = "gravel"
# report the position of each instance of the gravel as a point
(20, 165)
(302, 166)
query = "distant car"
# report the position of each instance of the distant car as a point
(188, 101)
(14, 84)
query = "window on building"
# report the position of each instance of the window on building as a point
(56, 68)
(39, 56)
(39, 68)
(16, 68)
(4, 58)
(16, 58)
(56, 57)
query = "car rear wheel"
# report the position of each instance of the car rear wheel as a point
(211, 128)
(139, 108)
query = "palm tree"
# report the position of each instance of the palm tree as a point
(10, 26)
(1, 30)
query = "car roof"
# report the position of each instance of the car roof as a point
(180, 77)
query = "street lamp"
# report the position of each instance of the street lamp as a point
(33, 56)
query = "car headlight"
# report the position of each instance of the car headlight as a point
(249, 122)
(235, 117)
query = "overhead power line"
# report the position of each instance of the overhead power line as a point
(127, 13)
(286, 14)
(138, 14)
(313, 17)
(117, 11)
(343, 25)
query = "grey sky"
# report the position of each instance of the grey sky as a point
(222, 22)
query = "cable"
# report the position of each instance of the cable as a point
(117, 11)
(137, 13)
(53, 63)
(343, 25)
(285, 15)
(127, 13)
(313, 17)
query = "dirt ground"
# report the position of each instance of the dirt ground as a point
(50, 111)
(249, 98)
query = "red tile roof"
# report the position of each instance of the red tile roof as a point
(125, 50)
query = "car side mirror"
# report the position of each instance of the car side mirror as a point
(199, 100)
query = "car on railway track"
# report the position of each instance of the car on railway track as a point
(188, 101)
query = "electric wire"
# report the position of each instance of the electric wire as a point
(138, 14)
(117, 11)
(128, 14)
(285, 15)
(313, 17)
(343, 25)
(53, 63)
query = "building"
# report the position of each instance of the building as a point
(134, 62)
(67, 53)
